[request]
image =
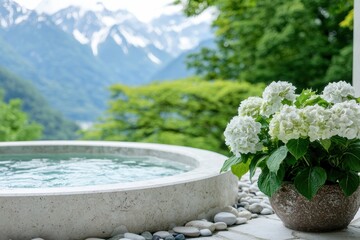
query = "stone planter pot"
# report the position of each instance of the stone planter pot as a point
(329, 210)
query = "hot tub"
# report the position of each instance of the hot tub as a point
(99, 210)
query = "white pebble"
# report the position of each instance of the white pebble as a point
(205, 232)
(248, 198)
(240, 220)
(162, 234)
(254, 200)
(201, 225)
(228, 218)
(245, 214)
(220, 226)
(133, 236)
(242, 195)
(255, 208)
(243, 203)
(187, 231)
(230, 209)
(266, 211)
(253, 189)
(265, 205)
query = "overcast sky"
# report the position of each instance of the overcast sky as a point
(142, 9)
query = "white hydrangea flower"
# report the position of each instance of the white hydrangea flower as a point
(338, 92)
(274, 94)
(269, 108)
(345, 117)
(288, 124)
(250, 107)
(278, 91)
(318, 121)
(241, 135)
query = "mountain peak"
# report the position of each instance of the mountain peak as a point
(12, 13)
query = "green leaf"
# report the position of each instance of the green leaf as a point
(263, 121)
(229, 162)
(326, 143)
(276, 158)
(240, 169)
(309, 181)
(254, 164)
(305, 95)
(281, 172)
(269, 182)
(339, 140)
(318, 100)
(286, 102)
(298, 147)
(291, 160)
(349, 183)
(351, 158)
(333, 175)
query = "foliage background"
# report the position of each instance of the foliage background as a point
(15, 125)
(189, 112)
(305, 42)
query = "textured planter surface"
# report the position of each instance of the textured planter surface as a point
(329, 210)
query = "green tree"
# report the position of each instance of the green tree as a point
(55, 126)
(189, 112)
(14, 123)
(306, 42)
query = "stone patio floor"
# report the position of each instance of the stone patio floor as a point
(271, 227)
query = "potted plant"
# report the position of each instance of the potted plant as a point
(308, 149)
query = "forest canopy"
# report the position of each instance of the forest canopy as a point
(306, 42)
(188, 112)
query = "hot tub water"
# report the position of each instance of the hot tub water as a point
(75, 170)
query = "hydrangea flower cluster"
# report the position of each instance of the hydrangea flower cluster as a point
(320, 125)
(288, 124)
(308, 139)
(274, 96)
(345, 119)
(241, 135)
(251, 107)
(338, 92)
(322, 117)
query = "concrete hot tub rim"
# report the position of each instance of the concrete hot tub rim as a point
(162, 202)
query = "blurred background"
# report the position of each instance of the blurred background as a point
(164, 71)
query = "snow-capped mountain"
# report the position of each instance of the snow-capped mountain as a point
(93, 27)
(12, 13)
(87, 50)
(171, 33)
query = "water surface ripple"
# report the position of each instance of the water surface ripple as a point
(39, 171)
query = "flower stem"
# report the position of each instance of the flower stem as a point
(307, 162)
